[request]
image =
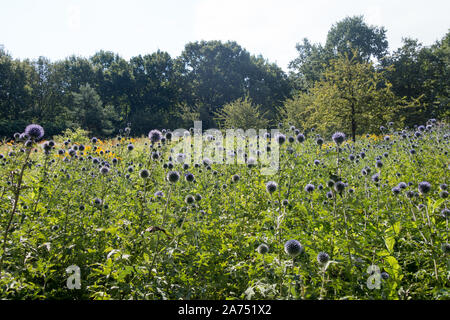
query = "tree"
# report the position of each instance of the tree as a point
(348, 36)
(242, 114)
(351, 34)
(353, 96)
(421, 73)
(213, 74)
(89, 113)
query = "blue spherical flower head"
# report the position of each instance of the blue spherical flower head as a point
(189, 177)
(173, 176)
(309, 187)
(144, 174)
(300, 137)
(396, 190)
(104, 170)
(338, 137)
(293, 248)
(339, 186)
(263, 248)
(424, 187)
(34, 131)
(271, 186)
(319, 141)
(280, 138)
(323, 258)
(155, 136)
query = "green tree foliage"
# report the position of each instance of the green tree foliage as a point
(422, 73)
(242, 114)
(352, 96)
(344, 37)
(89, 112)
(215, 73)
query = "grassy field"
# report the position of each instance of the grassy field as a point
(371, 225)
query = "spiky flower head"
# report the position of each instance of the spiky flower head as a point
(319, 141)
(293, 248)
(323, 257)
(424, 187)
(189, 177)
(339, 187)
(34, 131)
(271, 186)
(338, 137)
(300, 137)
(189, 199)
(263, 248)
(155, 135)
(309, 187)
(144, 173)
(173, 176)
(104, 170)
(280, 138)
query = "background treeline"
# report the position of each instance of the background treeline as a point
(351, 83)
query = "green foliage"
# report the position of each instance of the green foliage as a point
(139, 246)
(242, 114)
(352, 96)
(90, 113)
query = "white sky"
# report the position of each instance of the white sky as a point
(59, 28)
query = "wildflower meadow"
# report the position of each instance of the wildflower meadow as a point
(127, 218)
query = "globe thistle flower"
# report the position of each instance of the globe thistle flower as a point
(271, 186)
(291, 139)
(443, 194)
(339, 187)
(173, 176)
(189, 177)
(189, 199)
(34, 131)
(338, 137)
(323, 258)
(376, 177)
(445, 213)
(285, 202)
(309, 188)
(144, 174)
(319, 141)
(94, 140)
(104, 170)
(443, 186)
(351, 157)
(424, 187)
(293, 248)
(384, 275)
(379, 164)
(198, 197)
(130, 147)
(402, 185)
(262, 248)
(97, 202)
(251, 162)
(300, 137)
(280, 138)
(364, 172)
(235, 178)
(316, 162)
(396, 190)
(155, 136)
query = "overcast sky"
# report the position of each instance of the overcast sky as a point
(59, 28)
